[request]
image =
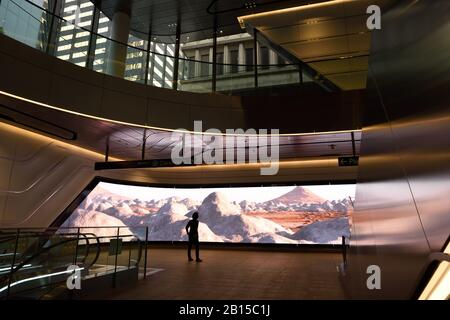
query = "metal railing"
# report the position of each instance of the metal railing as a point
(145, 65)
(36, 259)
(344, 250)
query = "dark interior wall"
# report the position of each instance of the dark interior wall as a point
(305, 109)
(402, 211)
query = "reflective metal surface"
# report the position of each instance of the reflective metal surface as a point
(133, 142)
(402, 211)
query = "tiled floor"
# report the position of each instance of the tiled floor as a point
(237, 274)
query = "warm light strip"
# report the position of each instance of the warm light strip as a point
(292, 9)
(41, 104)
(438, 288)
(74, 148)
(331, 162)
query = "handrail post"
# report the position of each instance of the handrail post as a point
(95, 21)
(76, 248)
(214, 57)
(353, 144)
(300, 73)
(52, 37)
(255, 55)
(129, 254)
(75, 258)
(115, 260)
(177, 56)
(13, 262)
(145, 253)
(147, 60)
(107, 148)
(344, 251)
(144, 141)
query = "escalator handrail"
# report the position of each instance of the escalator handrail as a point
(43, 250)
(38, 235)
(28, 235)
(4, 237)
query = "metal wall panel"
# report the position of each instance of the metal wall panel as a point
(402, 211)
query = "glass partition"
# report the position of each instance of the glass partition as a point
(136, 59)
(278, 75)
(101, 43)
(233, 78)
(24, 22)
(196, 76)
(33, 261)
(76, 31)
(72, 43)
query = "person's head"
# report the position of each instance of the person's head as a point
(195, 215)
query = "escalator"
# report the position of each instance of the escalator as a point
(37, 264)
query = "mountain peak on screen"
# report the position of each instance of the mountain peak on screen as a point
(216, 204)
(299, 195)
(173, 199)
(173, 208)
(106, 194)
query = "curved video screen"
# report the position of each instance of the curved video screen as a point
(318, 214)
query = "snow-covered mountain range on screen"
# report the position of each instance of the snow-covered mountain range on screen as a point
(221, 220)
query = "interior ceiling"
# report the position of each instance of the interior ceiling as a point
(126, 141)
(195, 17)
(332, 37)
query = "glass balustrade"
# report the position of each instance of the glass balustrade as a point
(153, 61)
(34, 261)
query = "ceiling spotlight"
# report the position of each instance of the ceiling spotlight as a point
(250, 5)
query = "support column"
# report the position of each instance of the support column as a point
(211, 61)
(118, 50)
(241, 58)
(258, 53)
(198, 64)
(226, 59)
(272, 57)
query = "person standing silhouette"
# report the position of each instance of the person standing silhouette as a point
(192, 231)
